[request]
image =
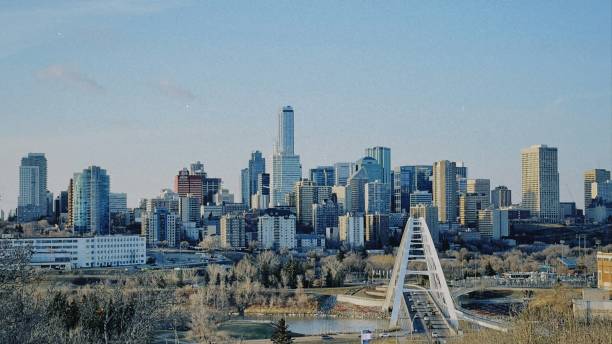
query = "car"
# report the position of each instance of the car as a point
(435, 334)
(426, 318)
(384, 335)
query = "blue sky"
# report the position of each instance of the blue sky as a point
(142, 88)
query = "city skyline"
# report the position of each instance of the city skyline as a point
(402, 82)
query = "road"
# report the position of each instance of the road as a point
(427, 319)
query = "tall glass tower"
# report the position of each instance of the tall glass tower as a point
(286, 168)
(32, 201)
(91, 208)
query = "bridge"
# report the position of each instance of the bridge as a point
(418, 295)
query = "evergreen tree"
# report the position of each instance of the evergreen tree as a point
(489, 271)
(281, 333)
(340, 256)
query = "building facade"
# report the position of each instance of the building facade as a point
(351, 229)
(32, 200)
(233, 231)
(501, 197)
(91, 201)
(83, 252)
(276, 229)
(540, 182)
(445, 190)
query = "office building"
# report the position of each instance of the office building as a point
(540, 182)
(592, 176)
(188, 182)
(32, 200)
(404, 178)
(445, 190)
(342, 172)
(377, 198)
(420, 197)
(351, 229)
(224, 196)
(469, 205)
(118, 202)
(233, 231)
(355, 192)
(501, 197)
(90, 204)
(286, 168)
(376, 230)
(323, 175)
(493, 223)
(430, 214)
(461, 169)
(189, 209)
(161, 227)
(372, 169)
(84, 252)
(276, 229)
(339, 194)
(306, 194)
(382, 155)
(481, 187)
(249, 176)
(324, 215)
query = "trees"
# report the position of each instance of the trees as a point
(281, 333)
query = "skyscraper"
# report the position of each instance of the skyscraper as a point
(342, 172)
(501, 197)
(323, 175)
(430, 214)
(118, 203)
(233, 231)
(306, 194)
(540, 182)
(286, 168)
(377, 198)
(403, 186)
(32, 201)
(91, 201)
(190, 182)
(481, 187)
(248, 176)
(383, 156)
(592, 176)
(445, 190)
(324, 215)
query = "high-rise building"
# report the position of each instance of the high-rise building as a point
(118, 202)
(540, 182)
(430, 214)
(462, 170)
(351, 229)
(32, 201)
(355, 192)
(342, 172)
(276, 229)
(376, 230)
(339, 194)
(377, 198)
(373, 170)
(323, 175)
(249, 175)
(501, 197)
(306, 194)
(469, 205)
(420, 197)
(445, 190)
(383, 156)
(189, 209)
(261, 199)
(70, 217)
(324, 215)
(493, 223)
(481, 187)
(161, 227)
(592, 176)
(403, 185)
(245, 192)
(233, 231)
(187, 182)
(91, 198)
(423, 178)
(286, 168)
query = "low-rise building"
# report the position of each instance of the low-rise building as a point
(82, 252)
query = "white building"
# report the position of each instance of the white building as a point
(276, 229)
(351, 228)
(540, 182)
(84, 252)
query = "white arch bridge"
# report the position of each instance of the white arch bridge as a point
(417, 264)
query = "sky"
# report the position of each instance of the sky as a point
(143, 88)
